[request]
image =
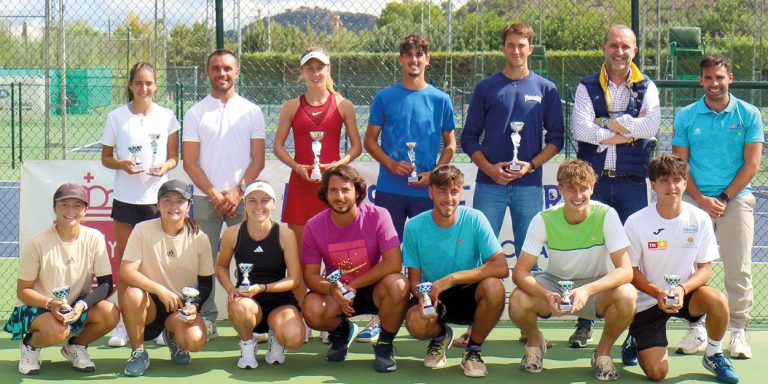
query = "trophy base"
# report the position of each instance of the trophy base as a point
(314, 177)
(671, 301)
(184, 317)
(154, 169)
(514, 167)
(137, 167)
(566, 307)
(428, 311)
(244, 288)
(413, 179)
(349, 295)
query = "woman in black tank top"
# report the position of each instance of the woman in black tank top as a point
(265, 301)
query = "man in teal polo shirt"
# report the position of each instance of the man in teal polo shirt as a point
(721, 137)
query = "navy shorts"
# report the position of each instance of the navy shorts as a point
(649, 328)
(133, 214)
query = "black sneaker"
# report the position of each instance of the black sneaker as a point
(581, 336)
(340, 341)
(629, 352)
(385, 358)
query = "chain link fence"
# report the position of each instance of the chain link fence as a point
(64, 65)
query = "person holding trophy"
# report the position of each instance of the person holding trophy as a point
(357, 241)
(454, 263)
(412, 118)
(140, 142)
(56, 302)
(672, 246)
(581, 237)
(168, 275)
(267, 270)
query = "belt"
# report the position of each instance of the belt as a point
(611, 173)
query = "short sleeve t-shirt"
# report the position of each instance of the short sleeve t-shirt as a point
(51, 262)
(576, 251)
(438, 251)
(353, 249)
(659, 246)
(406, 115)
(124, 129)
(174, 262)
(224, 132)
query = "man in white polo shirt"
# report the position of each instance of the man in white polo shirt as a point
(223, 146)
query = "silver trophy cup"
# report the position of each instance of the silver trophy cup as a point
(672, 282)
(516, 126)
(317, 146)
(424, 289)
(135, 150)
(335, 277)
(189, 294)
(245, 268)
(411, 145)
(566, 286)
(154, 137)
(61, 294)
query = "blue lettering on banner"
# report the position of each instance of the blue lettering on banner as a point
(552, 196)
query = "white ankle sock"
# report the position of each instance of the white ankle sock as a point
(713, 347)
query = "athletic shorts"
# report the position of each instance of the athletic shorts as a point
(155, 328)
(649, 328)
(457, 304)
(21, 319)
(270, 303)
(133, 214)
(549, 282)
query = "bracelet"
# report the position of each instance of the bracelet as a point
(48, 303)
(265, 288)
(684, 292)
(85, 305)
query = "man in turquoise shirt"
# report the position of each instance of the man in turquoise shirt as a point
(453, 247)
(722, 137)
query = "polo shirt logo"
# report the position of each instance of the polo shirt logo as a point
(661, 244)
(533, 98)
(697, 131)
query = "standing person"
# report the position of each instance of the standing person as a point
(223, 144)
(163, 257)
(514, 94)
(319, 108)
(411, 111)
(615, 115)
(721, 137)
(66, 254)
(268, 304)
(467, 289)
(359, 240)
(581, 238)
(673, 237)
(154, 129)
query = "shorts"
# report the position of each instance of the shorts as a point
(549, 282)
(457, 304)
(363, 302)
(21, 319)
(133, 214)
(649, 328)
(270, 303)
(156, 327)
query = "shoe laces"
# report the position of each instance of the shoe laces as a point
(582, 330)
(435, 348)
(473, 356)
(373, 323)
(274, 345)
(136, 354)
(719, 361)
(29, 354)
(247, 350)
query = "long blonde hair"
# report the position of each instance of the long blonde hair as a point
(328, 79)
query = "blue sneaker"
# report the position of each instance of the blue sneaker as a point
(137, 363)
(371, 332)
(340, 342)
(629, 352)
(178, 356)
(721, 367)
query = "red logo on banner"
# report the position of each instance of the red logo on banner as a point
(98, 217)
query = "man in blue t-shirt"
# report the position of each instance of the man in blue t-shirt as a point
(722, 137)
(453, 247)
(411, 111)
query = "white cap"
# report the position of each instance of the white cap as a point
(260, 186)
(315, 55)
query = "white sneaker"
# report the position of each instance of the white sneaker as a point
(695, 341)
(276, 352)
(29, 362)
(739, 346)
(210, 327)
(325, 337)
(261, 337)
(248, 349)
(119, 336)
(78, 356)
(159, 340)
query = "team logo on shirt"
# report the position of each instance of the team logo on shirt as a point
(690, 242)
(171, 253)
(690, 229)
(258, 250)
(658, 231)
(71, 260)
(533, 98)
(657, 245)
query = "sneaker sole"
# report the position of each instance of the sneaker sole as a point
(31, 372)
(125, 371)
(367, 339)
(579, 344)
(275, 362)
(473, 374)
(120, 343)
(681, 351)
(740, 356)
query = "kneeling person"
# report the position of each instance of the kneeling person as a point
(359, 240)
(453, 247)
(162, 258)
(581, 237)
(673, 237)
(66, 254)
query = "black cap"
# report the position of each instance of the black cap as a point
(178, 186)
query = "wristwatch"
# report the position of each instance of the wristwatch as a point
(243, 187)
(533, 167)
(724, 197)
